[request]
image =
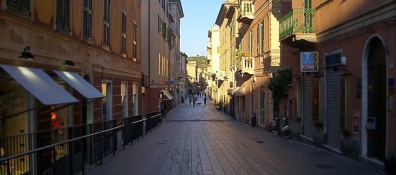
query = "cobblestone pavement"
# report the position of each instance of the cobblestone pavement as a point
(203, 140)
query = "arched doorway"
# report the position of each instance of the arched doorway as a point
(374, 99)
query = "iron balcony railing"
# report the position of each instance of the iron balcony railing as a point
(298, 20)
(271, 58)
(247, 65)
(247, 11)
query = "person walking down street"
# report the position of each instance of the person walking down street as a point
(163, 109)
(195, 98)
(204, 100)
(190, 99)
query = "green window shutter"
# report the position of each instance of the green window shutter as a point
(66, 15)
(62, 15)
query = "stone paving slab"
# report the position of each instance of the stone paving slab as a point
(204, 140)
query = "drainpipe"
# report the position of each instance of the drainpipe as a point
(149, 49)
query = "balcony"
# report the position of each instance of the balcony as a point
(297, 27)
(271, 59)
(247, 65)
(246, 12)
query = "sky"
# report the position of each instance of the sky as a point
(199, 17)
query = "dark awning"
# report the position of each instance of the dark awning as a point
(40, 85)
(78, 83)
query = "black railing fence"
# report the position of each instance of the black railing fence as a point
(70, 150)
(153, 121)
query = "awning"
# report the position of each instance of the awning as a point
(182, 89)
(239, 91)
(167, 95)
(40, 85)
(78, 83)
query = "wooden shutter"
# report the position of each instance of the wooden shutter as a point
(59, 17)
(66, 15)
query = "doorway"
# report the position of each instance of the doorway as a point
(375, 98)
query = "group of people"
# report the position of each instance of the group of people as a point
(194, 98)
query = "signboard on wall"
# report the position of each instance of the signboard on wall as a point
(309, 61)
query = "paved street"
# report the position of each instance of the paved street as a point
(202, 140)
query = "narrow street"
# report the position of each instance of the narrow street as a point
(202, 140)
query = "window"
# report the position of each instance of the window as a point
(134, 44)
(159, 64)
(62, 15)
(251, 42)
(163, 4)
(106, 23)
(123, 33)
(262, 39)
(259, 42)
(160, 25)
(164, 30)
(87, 20)
(19, 7)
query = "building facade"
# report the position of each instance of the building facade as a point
(214, 58)
(340, 95)
(343, 84)
(158, 57)
(176, 72)
(65, 64)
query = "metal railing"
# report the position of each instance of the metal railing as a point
(70, 150)
(247, 9)
(272, 58)
(298, 20)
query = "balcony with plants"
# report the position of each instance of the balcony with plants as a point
(298, 26)
(244, 62)
(246, 12)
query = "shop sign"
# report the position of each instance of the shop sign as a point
(309, 61)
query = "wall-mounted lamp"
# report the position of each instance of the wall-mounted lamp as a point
(343, 60)
(27, 55)
(143, 90)
(68, 63)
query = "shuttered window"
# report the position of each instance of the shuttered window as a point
(262, 39)
(19, 7)
(164, 30)
(63, 15)
(123, 33)
(106, 23)
(159, 25)
(87, 20)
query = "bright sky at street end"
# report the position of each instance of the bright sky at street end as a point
(199, 17)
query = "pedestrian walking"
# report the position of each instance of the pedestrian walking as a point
(163, 109)
(204, 100)
(195, 98)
